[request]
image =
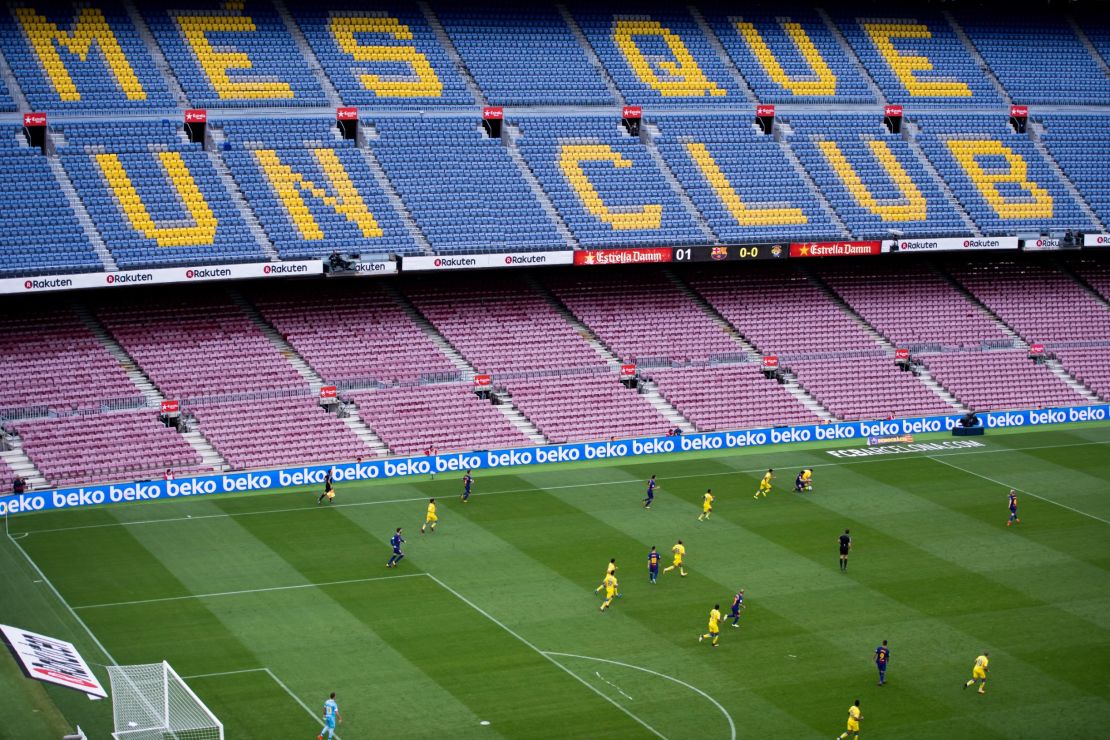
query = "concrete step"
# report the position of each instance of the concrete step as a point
(712, 313)
(1062, 373)
(449, 46)
(464, 367)
(793, 388)
(249, 216)
(309, 55)
(367, 131)
(209, 455)
(510, 133)
(352, 419)
(517, 418)
(583, 331)
(651, 394)
(126, 362)
(591, 54)
(21, 465)
(83, 216)
(648, 132)
(299, 364)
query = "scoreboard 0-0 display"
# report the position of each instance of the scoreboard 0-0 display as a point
(731, 253)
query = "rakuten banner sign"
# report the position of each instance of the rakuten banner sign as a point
(262, 480)
(950, 245)
(160, 275)
(484, 261)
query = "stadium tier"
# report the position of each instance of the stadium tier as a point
(1002, 379)
(870, 388)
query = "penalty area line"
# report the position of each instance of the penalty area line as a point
(273, 677)
(680, 682)
(547, 657)
(1027, 493)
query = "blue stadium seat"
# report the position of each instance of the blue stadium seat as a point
(605, 184)
(81, 56)
(382, 55)
(313, 192)
(39, 232)
(790, 55)
(873, 179)
(741, 181)
(462, 188)
(918, 61)
(156, 199)
(1081, 146)
(999, 176)
(527, 57)
(234, 54)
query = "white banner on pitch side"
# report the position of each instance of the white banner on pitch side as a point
(51, 660)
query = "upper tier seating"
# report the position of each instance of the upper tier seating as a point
(914, 307)
(645, 319)
(723, 397)
(313, 191)
(1051, 66)
(81, 57)
(155, 198)
(6, 105)
(1096, 273)
(39, 232)
(198, 348)
(867, 388)
(462, 188)
(659, 56)
(352, 333)
(284, 431)
(1097, 31)
(449, 418)
(604, 183)
(741, 181)
(381, 54)
(789, 55)
(1089, 365)
(131, 445)
(999, 176)
(1039, 302)
(502, 325)
(528, 57)
(591, 406)
(54, 362)
(872, 178)
(233, 54)
(781, 312)
(918, 61)
(996, 381)
(1081, 146)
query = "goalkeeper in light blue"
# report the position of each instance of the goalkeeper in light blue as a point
(331, 716)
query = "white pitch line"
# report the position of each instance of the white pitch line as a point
(547, 657)
(225, 515)
(269, 673)
(1027, 493)
(249, 591)
(223, 673)
(64, 603)
(296, 698)
(695, 689)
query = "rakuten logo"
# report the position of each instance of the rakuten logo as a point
(48, 283)
(531, 259)
(1102, 240)
(202, 273)
(456, 262)
(982, 243)
(280, 269)
(124, 278)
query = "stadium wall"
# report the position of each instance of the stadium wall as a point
(261, 480)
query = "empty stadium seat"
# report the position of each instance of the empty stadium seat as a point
(1081, 146)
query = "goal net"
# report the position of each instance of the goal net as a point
(151, 702)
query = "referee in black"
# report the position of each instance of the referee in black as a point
(845, 541)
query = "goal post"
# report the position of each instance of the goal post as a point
(152, 702)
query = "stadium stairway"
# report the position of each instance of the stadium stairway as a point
(19, 464)
(83, 217)
(922, 373)
(238, 198)
(821, 199)
(509, 135)
(909, 134)
(591, 54)
(365, 132)
(973, 52)
(1036, 132)
(648, 133)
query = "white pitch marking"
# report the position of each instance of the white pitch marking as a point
(618, 688)
(1027, 493)
(546, 656)
(695, 689)
(534, 489)
(250, 591)
(18, 535)
(296, 698)
(223, 673)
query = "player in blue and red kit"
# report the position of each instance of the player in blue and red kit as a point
(882, 657)
(653, 564)
(468, 479)
(396, 541)
(1013, 509)
(737, 605)
(650, 493)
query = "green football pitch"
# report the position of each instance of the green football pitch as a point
(491, 627)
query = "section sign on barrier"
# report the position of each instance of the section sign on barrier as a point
(261, 480)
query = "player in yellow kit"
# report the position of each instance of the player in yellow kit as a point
(765, 484)
(706, 505)
(979, 672)
(611, 590)
(679, 550)
(854, 718)
(431, 519)
(714, 625)
(609, 570)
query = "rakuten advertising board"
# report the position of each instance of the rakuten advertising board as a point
(161, 275)
(1096, 240)
(261, 480)
(483, 261)
(959, 244)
